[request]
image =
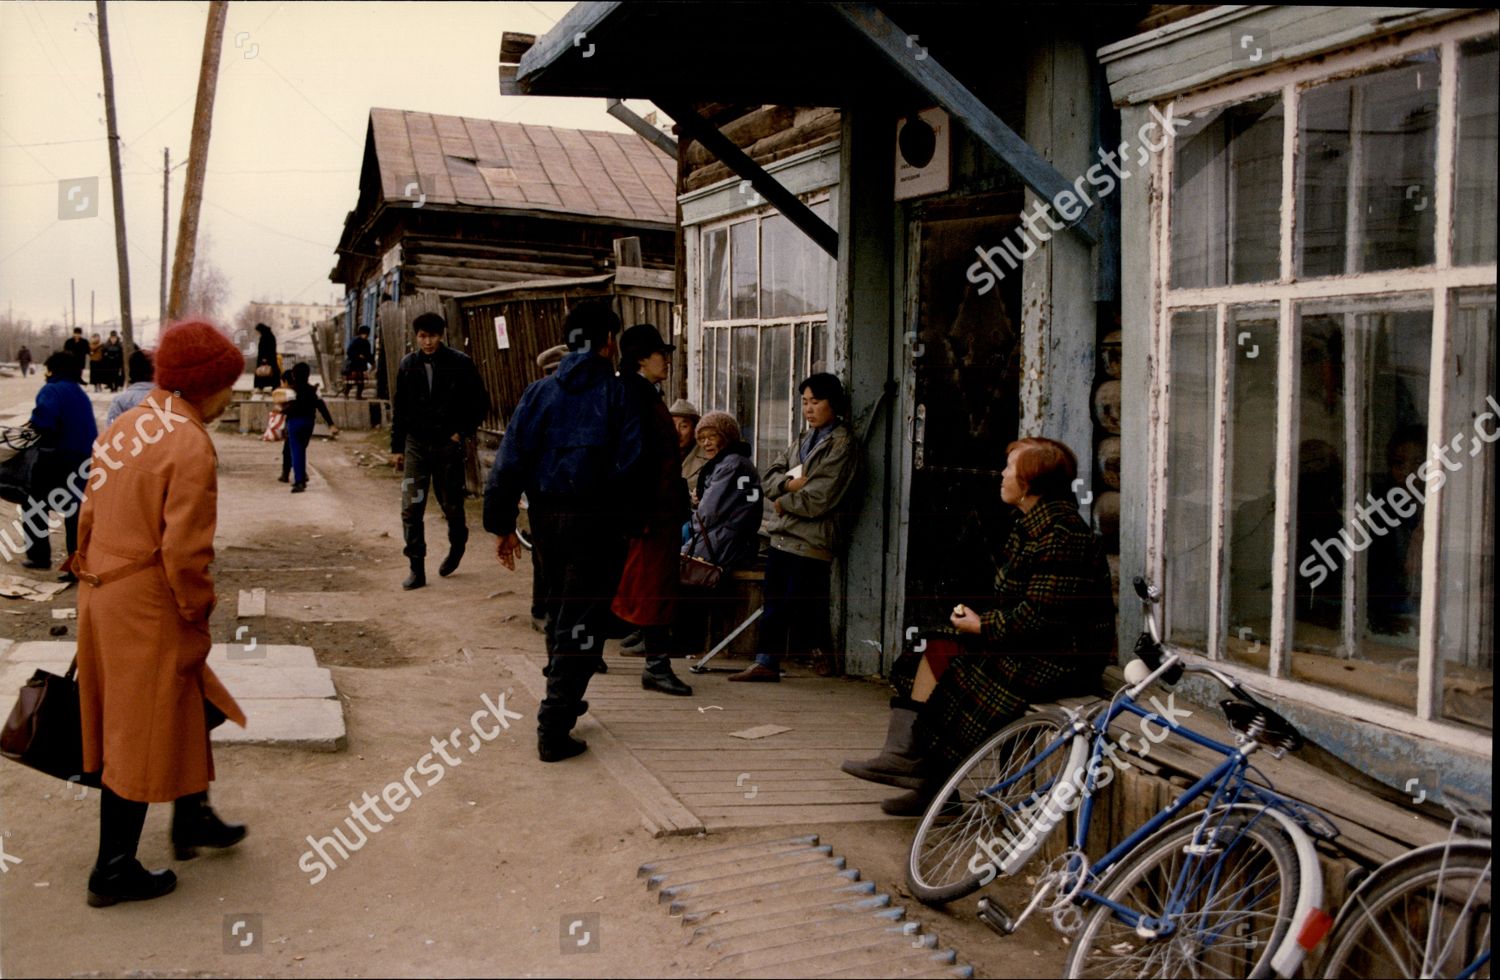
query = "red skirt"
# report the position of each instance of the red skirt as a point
(649, 585)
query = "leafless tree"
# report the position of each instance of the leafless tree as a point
(209, 289)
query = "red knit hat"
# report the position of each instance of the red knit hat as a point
(196, 359)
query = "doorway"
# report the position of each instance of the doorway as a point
(964, 393)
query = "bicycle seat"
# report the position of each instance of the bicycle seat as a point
(1262, 724)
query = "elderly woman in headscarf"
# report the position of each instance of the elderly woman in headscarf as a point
(1049, 635)
(147, 697)
(726, 526)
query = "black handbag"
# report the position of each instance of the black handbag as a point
(19, 473)
(698, 573)
(44, 731)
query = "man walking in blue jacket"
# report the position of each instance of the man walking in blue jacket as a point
(573, 447)
(65, 418)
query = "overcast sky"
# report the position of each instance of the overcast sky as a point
(296, 83)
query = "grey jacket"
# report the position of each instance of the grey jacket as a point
(814, 520)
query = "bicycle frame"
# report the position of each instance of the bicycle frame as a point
(1235, 761)
(1230, 789)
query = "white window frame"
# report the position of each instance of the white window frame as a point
(1440, 281)
(700, 379)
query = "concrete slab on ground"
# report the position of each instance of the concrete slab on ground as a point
(287, 698)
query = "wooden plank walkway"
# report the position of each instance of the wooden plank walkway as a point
(687, 773)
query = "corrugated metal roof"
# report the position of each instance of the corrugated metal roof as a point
(487, 163)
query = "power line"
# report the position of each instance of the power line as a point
(22, 146)
(353, 139)
(28, 241)
(267, 228)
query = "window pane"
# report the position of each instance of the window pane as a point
(774, 419)
(799, 354)
(742, 372)
(1474, 203)
(1226, 194)
(818, 356)
(742, 257)
(721, 371)
(1466, 582)
(820, 266)
(1189, 451)
(710, 347)
(1250, 483)
(1367, 171)
(716, 275)
(1362, 427)
(794, 271)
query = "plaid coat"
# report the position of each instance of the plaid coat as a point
(1050, 634)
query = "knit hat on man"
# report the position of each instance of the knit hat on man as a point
(724, 424)
(195, 359)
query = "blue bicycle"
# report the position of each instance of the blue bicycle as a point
(1233, 890)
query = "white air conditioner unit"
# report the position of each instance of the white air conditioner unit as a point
(923, 161)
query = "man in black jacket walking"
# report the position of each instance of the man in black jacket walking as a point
(439, 403)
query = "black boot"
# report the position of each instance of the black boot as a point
(556, 748)
(450, 564)
(915, 802)
(418, 576)
(195, 825)
(123, 879)
(117, 875)
(660, 678)
(897, 764)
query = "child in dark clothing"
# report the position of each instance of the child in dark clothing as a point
(299, 409)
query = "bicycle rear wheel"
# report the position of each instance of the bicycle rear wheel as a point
(1419, 916)
(947, 839)
(1222, 912)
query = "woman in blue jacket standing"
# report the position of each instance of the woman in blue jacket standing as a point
(65, 418)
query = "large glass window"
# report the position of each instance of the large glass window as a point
(1227, 183)
(1367, 173)
(1474, 205)
(765, 289)
(1341, 473)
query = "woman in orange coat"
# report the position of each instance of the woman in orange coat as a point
(147, 695)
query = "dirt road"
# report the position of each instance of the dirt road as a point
(478, 876)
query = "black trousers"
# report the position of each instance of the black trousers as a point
(796, 607)
(54, 472)
(439, 468)
(583, 554)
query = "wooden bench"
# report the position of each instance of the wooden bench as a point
(732, 614)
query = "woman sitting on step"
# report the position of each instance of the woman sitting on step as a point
(1049, 635)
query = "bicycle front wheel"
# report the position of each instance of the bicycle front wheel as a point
(1216, 904)
(938, 867)
(1420, 916)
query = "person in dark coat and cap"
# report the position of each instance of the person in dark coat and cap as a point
(573, 441)
(647, 594)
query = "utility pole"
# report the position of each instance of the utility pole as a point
(192, 195)
(91, 311)
(122, 255)
(73, 300)
(166, 185)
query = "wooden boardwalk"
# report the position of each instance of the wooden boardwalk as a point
(677, 757)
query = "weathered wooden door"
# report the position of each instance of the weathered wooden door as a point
(964, 346)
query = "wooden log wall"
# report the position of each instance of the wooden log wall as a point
(766, 134)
